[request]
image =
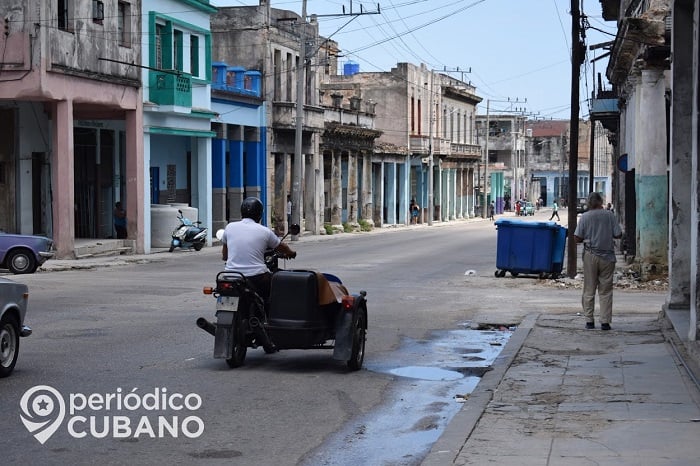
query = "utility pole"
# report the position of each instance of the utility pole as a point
(297, 175)
(577, 54)
(298, 155)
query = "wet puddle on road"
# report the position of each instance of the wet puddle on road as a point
(424, 397)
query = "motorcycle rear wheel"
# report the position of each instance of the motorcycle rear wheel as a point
(198, 246)
(359, 337)
(239, 348)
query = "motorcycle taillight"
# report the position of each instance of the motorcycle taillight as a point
(348, 303)
(227, 288)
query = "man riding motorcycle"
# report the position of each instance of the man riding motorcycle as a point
(244, 245)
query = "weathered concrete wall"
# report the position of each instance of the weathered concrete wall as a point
(79, 47)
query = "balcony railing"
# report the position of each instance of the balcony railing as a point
(421, 145)
(284, 115)
(170, 89)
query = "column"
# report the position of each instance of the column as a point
(63, 180)
(352, 188)
(367, 195)
(204, 182)
(681, 174)
(138, 208)
(402, 202)
(390, 193)
(236, 188)
(650, 176)
(336, 190)
(421, 194)
(378, 211)
(218, 181)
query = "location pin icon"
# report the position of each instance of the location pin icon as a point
(43, 410)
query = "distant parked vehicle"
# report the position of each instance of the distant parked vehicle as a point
(24, 253)
(13, 308)
(528, 209)
(581, 205)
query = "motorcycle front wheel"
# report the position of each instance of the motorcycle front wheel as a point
(238, 342)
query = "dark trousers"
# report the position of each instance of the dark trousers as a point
(121, 231)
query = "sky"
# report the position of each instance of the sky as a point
(516, 52)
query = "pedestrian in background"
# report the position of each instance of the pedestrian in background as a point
(555, 211)
(120, 221)
(597, 228)
(289, 210)
(492, 210)
(414, 209)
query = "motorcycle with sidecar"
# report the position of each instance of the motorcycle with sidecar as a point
(305, 310)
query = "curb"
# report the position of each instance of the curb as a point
(446, 449)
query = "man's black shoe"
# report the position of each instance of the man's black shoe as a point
(605, 326)
(590, 325)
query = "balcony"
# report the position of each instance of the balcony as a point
(284, 116)
(170, 89)
(465, 151)
(421, 145)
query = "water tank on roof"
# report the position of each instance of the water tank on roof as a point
(351, 68)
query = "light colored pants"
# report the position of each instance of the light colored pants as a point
(597, 274)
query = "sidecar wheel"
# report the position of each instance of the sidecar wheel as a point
(359, 337)
(239, 349)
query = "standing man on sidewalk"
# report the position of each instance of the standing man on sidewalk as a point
(596, 229)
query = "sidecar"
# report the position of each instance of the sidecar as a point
(307, 310)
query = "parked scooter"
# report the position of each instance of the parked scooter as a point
(188, 234)
(306, 310)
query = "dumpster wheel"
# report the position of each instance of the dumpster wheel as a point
(500, 273)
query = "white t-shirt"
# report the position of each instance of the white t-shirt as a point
(247, 241)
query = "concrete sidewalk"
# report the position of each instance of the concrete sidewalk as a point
(563, 395)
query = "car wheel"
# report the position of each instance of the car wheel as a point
(21, 261)
(9, 344)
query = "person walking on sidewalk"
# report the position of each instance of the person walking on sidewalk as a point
(596, 229)
(555, 211)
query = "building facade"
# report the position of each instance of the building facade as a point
(70, 105)
(654, 68)
(412, 135)
(177, 115)
(238, 149)
(269, 40)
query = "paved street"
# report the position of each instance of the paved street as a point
(130, 327)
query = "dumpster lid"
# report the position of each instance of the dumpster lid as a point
(506, 222)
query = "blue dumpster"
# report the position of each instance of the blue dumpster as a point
(529, 247)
